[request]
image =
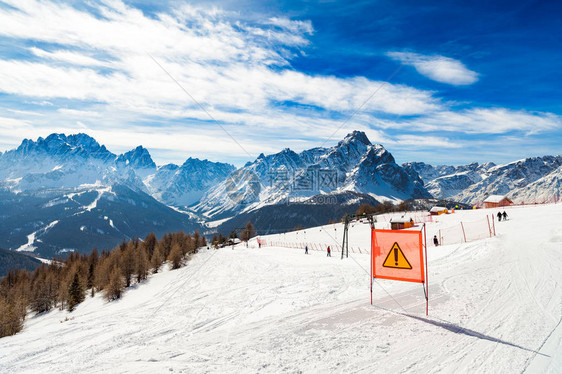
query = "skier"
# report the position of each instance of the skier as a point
(329, 252)
(306, 249)
(504, 215)
(435, 240)
(499, 216)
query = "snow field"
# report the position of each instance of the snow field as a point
(495, 306)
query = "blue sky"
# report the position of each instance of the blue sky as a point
(450, 83)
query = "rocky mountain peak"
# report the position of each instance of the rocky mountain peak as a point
(138, 158)
(355, 137)
(60, 145)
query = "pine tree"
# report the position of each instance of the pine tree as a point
(150, 243)
(176, 256)
(404, 206)
(76, 292)
(103, 271)
(11, 321)
(248, 232)
(116, 285)
(157, 258)
(44, 290)
(127, 262)
(166, 245)
(365, 209)
(197, 241)
(141, 265)
(91, 277)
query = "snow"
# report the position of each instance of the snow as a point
(94, 203)
(494, 198)
(31, 238)
(28, 247)
(437, 209)
(495, 306)
(213, 224)
(110, 222)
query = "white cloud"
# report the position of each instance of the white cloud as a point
(489, 121)
(420, 141)
(224, 64)
(438, 68)
(70, 57)
(94, 74)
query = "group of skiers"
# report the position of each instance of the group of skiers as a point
(502, 215)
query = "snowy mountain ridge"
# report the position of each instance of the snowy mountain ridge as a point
(533, 179)
(62, 187)
(354, 164)
(67, 193)
(60, 161)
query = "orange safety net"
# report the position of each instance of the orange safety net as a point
(398, 255)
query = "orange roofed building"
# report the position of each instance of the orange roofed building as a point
(401, 223)
(438, 210)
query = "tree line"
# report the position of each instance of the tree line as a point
(64, 283)
(384, 207)
(246, 234)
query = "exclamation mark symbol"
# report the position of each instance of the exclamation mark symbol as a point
(396, 256)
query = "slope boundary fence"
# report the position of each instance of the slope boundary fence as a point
(467, 231)
(321, 247)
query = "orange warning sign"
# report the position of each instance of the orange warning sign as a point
(396, 259)
(398, 255)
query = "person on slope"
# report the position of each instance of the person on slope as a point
(435, 240)
(504, 215)
(499, 216)
(329, 252)
(306, 249)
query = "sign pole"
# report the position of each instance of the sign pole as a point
(371, 262)
(426, 274)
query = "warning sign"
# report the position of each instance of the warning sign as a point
(396, 259)
(397, 255)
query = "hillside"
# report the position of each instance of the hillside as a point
(495, 306)
(12, 260)
(69, 193)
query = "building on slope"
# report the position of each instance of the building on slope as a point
(438, 210)
(495, 201)
(401, 223)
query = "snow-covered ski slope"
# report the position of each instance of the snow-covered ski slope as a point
(495, 307)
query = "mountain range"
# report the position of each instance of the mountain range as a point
(534, 179)
(64, 193)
